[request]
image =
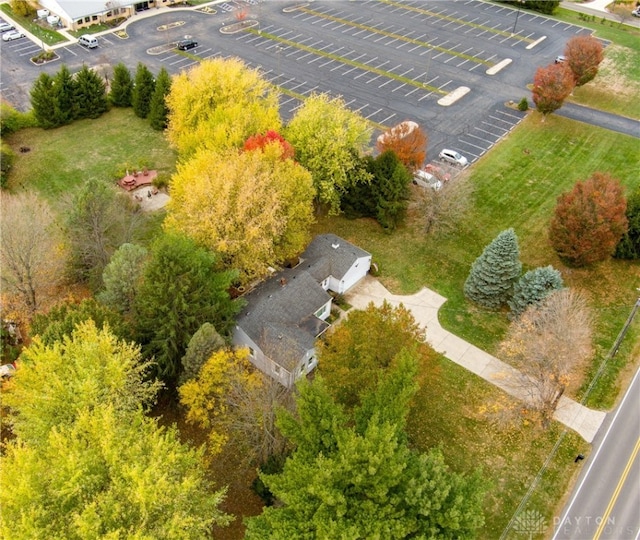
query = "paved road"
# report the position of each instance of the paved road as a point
(603, 119)
(605, 503)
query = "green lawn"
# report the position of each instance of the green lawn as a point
(516, 185)
(63, 158)
(45, 35)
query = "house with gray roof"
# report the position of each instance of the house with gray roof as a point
(285, 314)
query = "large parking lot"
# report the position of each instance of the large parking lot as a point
(390, 60)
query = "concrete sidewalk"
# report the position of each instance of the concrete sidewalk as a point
(425, 305)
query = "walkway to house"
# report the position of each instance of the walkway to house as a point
(425, 305)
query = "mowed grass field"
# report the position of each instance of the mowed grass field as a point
(516, 185)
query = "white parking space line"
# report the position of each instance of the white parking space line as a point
(399, 87)
(386, 83)
(385, 120)
(373, 114)
(349, 71)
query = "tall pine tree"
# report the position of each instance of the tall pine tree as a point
(358, 478)
(494, 273)
(91, 97)
(158, 110)
(121, 86)
(65, 92)
(44, 101)
(142, 91)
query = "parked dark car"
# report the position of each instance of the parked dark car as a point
(186, 44)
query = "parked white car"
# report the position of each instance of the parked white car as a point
(10, 36)
(636, 12)
(5, 27)
(424, 179)
(453, 157)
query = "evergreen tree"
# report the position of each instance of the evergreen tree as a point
(91, 97)
(121, 86)
(629, 245)
(201, 346)
(61, 321)
(493, 274)
(181, 290)
(44, 101)
(360, 479)
(142, 91)
(122, 276)
(65, 92)
(534, 287)
(158, 110)
(390, 185)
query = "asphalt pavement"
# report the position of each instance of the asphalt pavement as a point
(605, 503)
(603, 119)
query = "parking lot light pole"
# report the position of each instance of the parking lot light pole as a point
(520, 2)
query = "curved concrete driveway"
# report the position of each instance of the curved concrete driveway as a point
(424, 305)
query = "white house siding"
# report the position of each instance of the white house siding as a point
(357, 271)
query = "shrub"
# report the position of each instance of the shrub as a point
(7, 158)
(534, 287)
(629, 245)
(523, 105)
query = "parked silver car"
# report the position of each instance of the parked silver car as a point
(13, 34)
(453, 157)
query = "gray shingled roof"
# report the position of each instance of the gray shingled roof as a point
(328, 254)
(279, 315)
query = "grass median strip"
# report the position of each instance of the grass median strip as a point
(399, 37)
(459, 21)
(346, 61)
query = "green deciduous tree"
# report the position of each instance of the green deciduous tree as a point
(88, 368)
(158, 111)
(360, 479)
(121, 86)
(91, 95)
(108, 475)
(44, 101)
(61, 320)
(551, 86)
(143, 88)
(583, 56)
(629, 245)
(253, 208)
(181, 290)
(361, 350)
(533, 287)
(494, 273)
(589, 221)
(219, 104)
(328, 139)
(122, 278)
(98, 221)
(201, 346)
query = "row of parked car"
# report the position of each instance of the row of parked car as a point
(9, 33)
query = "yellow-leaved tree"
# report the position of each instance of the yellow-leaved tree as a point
(236, 404)
(253, 208)
(329, 141)
(219, 104)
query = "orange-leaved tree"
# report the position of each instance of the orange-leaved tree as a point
(584, 54)
(551, 86)
(408, 142)
(589, 220)
(260, 140)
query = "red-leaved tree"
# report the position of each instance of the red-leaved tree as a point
(589, 220)
(408, 142)
(584, 54)
(551, 86)
(259, 141)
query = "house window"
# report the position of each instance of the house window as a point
(252, 353)
(94, 18)
(321, 312)
(276, 369)
(87, 19)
